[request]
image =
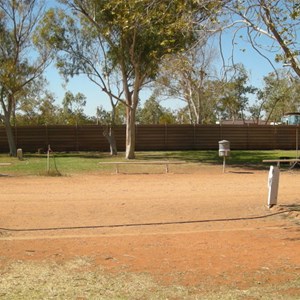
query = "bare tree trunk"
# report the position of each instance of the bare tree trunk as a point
(10, 138)
(7, 111)
(130, 134)
(110, 136)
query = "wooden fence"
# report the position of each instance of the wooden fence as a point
(154, 137)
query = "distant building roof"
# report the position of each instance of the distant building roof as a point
(292, 114)
(241, 122)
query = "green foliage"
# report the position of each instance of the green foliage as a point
(120, 114)
(151, 112)
(102, 116)
(137, 34)
(234, 95)
(186, 76)
(73, 107)
(41, 111)
(143, 31)
(295, 13)
(168, 117)
(22, 60)
(129, 38)
(280, 95)
(17, 32)
(41, 108)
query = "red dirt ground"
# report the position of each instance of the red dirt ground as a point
(204, 228)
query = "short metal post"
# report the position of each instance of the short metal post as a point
(224, 163)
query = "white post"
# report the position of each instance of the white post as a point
(273, 184)
(20, 154)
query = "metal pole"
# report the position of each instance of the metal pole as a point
(224, 163)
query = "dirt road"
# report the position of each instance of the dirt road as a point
(204, 228)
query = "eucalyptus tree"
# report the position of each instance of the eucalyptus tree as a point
(49, 113)
(131, 38)
(270, 27)
(151, 112)
(234, 94)
(187, 77)
(27, 106)
(73, 107)
(22, 57)
(279, 95)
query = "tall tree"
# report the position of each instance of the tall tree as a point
(134, 36)
(80, 50)
(280, 95)
(234, 99)
(22, 57)
(73, 107)
(48, 112)
(187, 77)
(151, 112)
(27, 106)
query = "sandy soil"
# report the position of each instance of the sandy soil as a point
(204, 228)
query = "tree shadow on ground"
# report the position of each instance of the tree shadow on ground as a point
(88, 155)
(246, 159)
(241, 159)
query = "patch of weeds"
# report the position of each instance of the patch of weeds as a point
(79, 279)
(75, 280)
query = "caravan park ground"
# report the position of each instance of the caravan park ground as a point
(196, 234)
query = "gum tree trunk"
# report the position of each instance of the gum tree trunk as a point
(110, 136)
(130, 133)
(10, 138)
(7, 108)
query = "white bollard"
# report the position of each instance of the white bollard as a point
(20, 154)
(273, 184)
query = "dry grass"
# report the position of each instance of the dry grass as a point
(77, 279)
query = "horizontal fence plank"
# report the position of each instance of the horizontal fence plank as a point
(153, 137)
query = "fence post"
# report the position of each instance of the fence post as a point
(76, 137)
(166, 136)
(275, 142)
(247, 137)
(137, 148)
(47, 135)
(194, 137)
(16, 136)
